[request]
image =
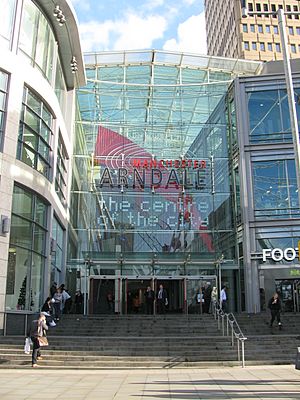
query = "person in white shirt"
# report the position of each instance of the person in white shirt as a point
(223, 299)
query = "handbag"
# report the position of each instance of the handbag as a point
(27, 345)
(43, 341)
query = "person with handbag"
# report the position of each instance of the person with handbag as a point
(37, 331)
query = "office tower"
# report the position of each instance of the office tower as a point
(255, 37)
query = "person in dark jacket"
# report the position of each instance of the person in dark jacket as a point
(37, 328)
(162, 300)
(275, 307)
(149, 297)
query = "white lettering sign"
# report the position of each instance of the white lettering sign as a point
(288, 254)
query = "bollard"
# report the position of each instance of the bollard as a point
(297, 364)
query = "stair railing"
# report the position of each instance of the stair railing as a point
(227, 322)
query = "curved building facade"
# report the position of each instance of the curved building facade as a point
(41, 64)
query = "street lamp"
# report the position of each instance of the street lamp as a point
(288, 78)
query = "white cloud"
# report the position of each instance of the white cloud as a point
(190, 2)
(132, 32)
(191, 36)
(82, 5)
(139, 33)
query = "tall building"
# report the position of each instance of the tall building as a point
(252, 38)
(41, 64)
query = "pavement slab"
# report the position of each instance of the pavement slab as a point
(231, 383)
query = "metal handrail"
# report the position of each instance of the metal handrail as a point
(228, 321)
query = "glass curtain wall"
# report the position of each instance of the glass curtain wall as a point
(159, 184)
(57, 250)
(35, 134)
(7, 21)
(3, 96)
(26, 261)
(37, 41)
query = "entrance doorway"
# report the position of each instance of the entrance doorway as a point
(175, 289)
(126, 294)
(134, 299)
(102, 296)
(289, 290)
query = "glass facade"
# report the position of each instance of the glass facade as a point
(269, 118)
(3, 96)
(7, 23)
(57, 250)
(275, 189)
(37, 41)
(35, 134)
(152, 143)
(26, 251)
(61, 171)
(174, 197)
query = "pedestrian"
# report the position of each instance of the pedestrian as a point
(275, 307)
(78, 302)
(207, 297)
(149, 297)
(57, 305)
(47, 310)
(110, 302)
(162, 300)
(36, 333)
(53, 289)
(223, 299)
(214, 298)
(66, 301)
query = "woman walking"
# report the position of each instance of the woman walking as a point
(37, 336)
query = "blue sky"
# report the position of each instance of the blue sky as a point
(146, 24)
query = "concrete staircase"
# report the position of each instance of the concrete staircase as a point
(132, 341)
(171, 341)
(270, 345)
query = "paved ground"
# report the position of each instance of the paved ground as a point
(265, 382)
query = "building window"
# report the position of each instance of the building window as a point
(3, 95)
(252, 27)
(254, 46)
(250, 6)
(258, 8)
(262, 47)
(293, 48)
(37, 40)
(268, 29)
(269, 117)
(275, 189)
(35, 134)
(246, 45)
(288, 9)
(291, 30)
(278, 47)
(61, 171)
(245, 28)
(275, 29)
(57, 253)
(296, 10)
(260, 28)
(7, 21)
(270, 47)
(298, 30)
(274, 10)
(266, 7)
(27, 247)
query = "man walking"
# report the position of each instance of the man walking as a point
(275, 307)
(149, 296)
(161, 300)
